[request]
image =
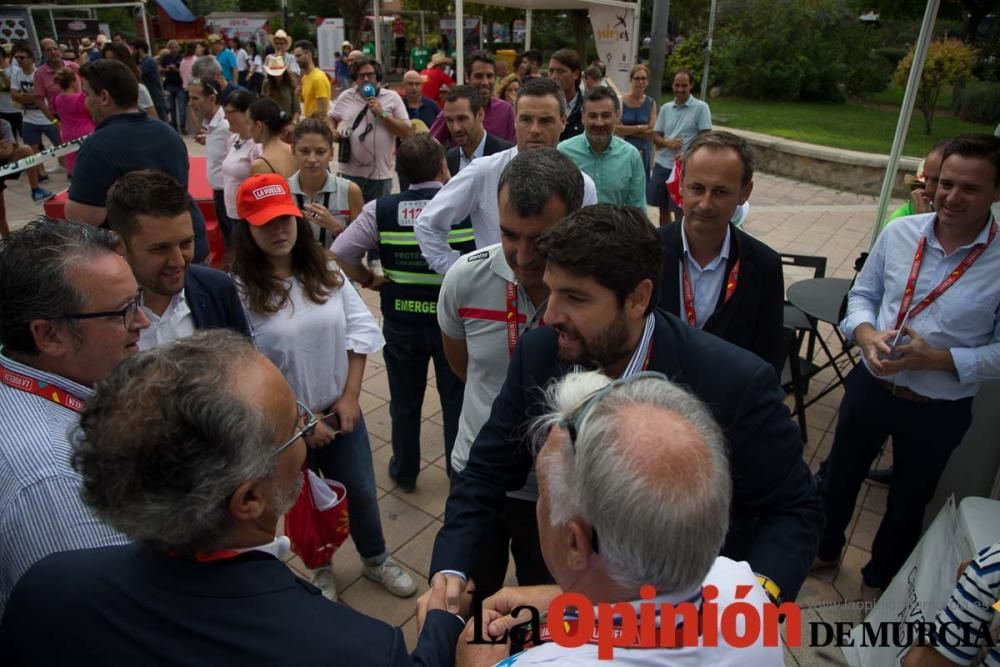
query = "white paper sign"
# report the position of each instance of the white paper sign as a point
(615, 41)
(329, 39)
(408, 212)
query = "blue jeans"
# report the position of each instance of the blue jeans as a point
(177, 107)
(408, 349)
(348, 459)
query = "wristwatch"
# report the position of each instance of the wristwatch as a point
(384, 114)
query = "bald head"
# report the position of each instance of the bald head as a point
(412, 85)
(653, 448)
(354, 56)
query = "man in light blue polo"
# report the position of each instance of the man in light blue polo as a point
(614, 164)
(677, 125)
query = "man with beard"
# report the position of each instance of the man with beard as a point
(602, 271)
(149, 210)
(498, 115)
(613, 163)
(194, 451)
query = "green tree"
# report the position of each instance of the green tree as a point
(948, 62)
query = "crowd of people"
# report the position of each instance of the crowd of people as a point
(611, 404)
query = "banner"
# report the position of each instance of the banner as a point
(329, 39)
(246, 28)
(72, 30)
(51, 152)
(615, 41)
(15, 25)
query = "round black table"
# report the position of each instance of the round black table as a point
(819, 297)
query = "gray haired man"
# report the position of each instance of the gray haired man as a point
(69, 313)
(634, 491)
(194, 450)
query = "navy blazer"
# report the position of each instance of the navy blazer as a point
(494, 144)
(213, 300)
(754, 316)
(134, 605)
(776, 516)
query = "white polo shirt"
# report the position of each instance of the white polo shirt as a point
(725, 575)
(472, 306)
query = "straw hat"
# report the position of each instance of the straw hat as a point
(214, 37)
(275, 65)
(439, 59)
(85, 43)
(280, 34)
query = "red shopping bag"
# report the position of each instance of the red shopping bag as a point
(318, 522)
(673, 183)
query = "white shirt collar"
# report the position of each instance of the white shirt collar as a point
(722, 256)
(638, 359)
(982, 237)
(480, 149)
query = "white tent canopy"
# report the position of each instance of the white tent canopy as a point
(528, 6)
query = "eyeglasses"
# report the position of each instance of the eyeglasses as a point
(128, 313)
(308, 421)
(576, 417)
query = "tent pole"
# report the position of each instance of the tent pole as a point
(459, 41)
(527, 29)
(636, 34)
(905, 113)
(55, 32)
(377, 27)
(423, 32)
(145, 23)
(708, 51)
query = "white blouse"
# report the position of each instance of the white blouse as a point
(236, 169)
(308, 342)
(216, 147)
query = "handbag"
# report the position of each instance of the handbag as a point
(318, 522)
(344, 144)
(673, 183)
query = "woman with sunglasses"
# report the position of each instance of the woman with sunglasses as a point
(329, 202)
(314, 326)
(638, 115)
(267, 124)
(203, 97)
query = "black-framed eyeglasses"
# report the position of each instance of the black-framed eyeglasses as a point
(307, 419)
(128, 313)
(577, 416)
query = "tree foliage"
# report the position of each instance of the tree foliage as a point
(948, 62)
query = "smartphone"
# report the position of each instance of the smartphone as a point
(899, 338)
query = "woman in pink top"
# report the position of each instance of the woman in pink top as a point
(74, 118)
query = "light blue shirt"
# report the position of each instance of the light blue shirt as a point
(618, 172)
(682, 122)
(706, 282)
(964, 320)
(41, 512)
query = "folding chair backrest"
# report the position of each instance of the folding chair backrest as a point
(814, 262)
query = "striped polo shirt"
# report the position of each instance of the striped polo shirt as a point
(970, 609)
(40, 508)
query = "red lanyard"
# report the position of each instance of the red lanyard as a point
(732, 280)
(950, 279)
(512, 331)
(49, 392)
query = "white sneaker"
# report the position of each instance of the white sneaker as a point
(393, 577)
(322, 578)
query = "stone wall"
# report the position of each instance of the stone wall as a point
(831, 167)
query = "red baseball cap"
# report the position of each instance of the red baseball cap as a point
(264, 197)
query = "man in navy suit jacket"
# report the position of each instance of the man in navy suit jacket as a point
(603, 268)
(149, 210)
(194, 450)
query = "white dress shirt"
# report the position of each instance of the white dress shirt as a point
(463, 161)
(471, 193)
(965, 320)
(176, 322)
(706, 282)
(216, 148)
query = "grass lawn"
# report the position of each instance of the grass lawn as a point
(893, 95)
(849, 125)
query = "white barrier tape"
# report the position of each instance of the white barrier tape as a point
(33, 160)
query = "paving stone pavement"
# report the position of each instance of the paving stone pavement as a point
(789, 216)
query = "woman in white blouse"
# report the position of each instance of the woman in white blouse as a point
(312, 324)
(243, 150)
(204, 97)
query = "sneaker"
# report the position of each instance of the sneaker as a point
(392, 576)
(322, 578)
(40, 194)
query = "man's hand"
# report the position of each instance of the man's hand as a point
(349, 411)
(446, 592)
(375, 106)
(200, 137)
(874, 346)
(918, 355)
(501, 604)
(322, 436)
(469, 654)
(921, 202)
(378, 280)
(674, 144)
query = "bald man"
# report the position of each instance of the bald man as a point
(418, 107)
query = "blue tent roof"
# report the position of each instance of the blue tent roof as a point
(177, 10)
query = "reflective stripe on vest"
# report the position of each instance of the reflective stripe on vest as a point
(410, 238)
(410, 278)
